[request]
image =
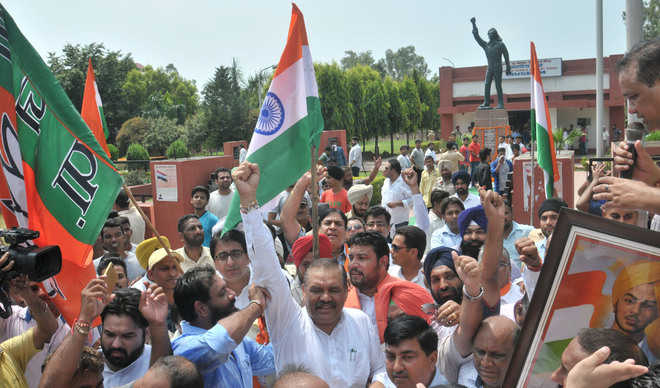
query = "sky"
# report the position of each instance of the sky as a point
(199, 35)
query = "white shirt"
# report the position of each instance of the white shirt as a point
(219, 203)
(432, 153)
(188, 263)
(129, 374)
(384, 378)
(355, 156)
(347, 357)
(139, 285)
(396, 271)
(18, 323)
(137, 224)
(396, 191)
(242, 154)
(470, 201)
(403, 161)
(133, 268)
(509, 152)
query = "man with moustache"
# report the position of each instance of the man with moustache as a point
(472, 226)
(359, 196)
(193, 252)
(213, 330)
(220, 199)
(302, 256)
(337, 344)
(442, 279)
(461, 180)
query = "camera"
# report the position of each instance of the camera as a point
(38, 263)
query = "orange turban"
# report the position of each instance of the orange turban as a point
(303, 245)
(635, 275)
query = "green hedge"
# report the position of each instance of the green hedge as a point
(177, 150)
(377, 183)
(655, 135)
(114, 151)
(137, 152)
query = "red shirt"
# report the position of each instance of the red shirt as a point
(466, 154)
(474, 151)
(337, 200)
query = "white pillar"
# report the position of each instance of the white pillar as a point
(633, 34)
(599, 78)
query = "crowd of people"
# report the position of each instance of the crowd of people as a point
(430, 287)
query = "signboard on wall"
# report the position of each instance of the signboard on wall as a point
(166, 183)
(549, 67)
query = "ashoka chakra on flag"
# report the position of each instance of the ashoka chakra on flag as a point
(271, 116)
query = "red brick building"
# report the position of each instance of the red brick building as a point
(571, 95)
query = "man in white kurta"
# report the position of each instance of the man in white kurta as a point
(349, 356)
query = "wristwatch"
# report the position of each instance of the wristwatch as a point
(473, 298)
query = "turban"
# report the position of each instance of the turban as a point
(146, 248)
(435, 258)
(336, 172)
(554, 204)
(408, 296)
(444, 163)
(635, 275)
(472, 216)
(462, 175)
(303, 245)
(356, 192)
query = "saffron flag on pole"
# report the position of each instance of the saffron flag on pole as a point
(92, 109)
(542, 128)
(289, 122)
(55, 177)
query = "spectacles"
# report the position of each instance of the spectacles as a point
(397, 248)
(234, 253)
(376, 225)
(356, 227)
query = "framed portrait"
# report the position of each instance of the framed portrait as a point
(597, 273)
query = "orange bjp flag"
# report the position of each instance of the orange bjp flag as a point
(92, 109)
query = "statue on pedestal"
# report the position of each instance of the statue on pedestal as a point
(494, 50)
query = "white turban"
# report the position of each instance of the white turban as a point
(356, 192)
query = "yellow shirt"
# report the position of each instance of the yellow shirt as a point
(427, 183)
(189, 263)
(15, 353)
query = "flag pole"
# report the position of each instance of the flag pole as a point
(315, 207)
(147, 220)
(532, 192)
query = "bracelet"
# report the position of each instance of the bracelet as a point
(251, 206)
(473, 298)
(81, 327)
(258, 303)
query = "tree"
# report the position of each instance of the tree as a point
(398, 119)
(161, 92)
(650, 19)
(161, 132)
(430, 99)
(352, 59)
(336, 107)
(413, 105)
(403, 62)
(111, 69)
(376, 107)
(357, 79)
(225, 108)
(196, 131)
(131, 132)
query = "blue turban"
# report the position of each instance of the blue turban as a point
(437, 257)
(462, 175)
(468, 215)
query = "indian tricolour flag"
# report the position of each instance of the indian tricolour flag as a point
(289, 123)
(92, 109)
(542, 128)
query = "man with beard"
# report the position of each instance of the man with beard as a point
(220, 199)
(374, 289)
(449, 235)
(359, 196)
(635, 303)
(441, 278)
(337, 344)
(472, 226)
(532, 253)
(114, 241)
(231, 260)
(124, 321)
(213, 330)
(445, 183)
(193, 252)
(75, 365)
(461, 180)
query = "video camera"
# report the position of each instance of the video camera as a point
(38, 263)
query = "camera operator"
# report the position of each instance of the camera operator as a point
(16, 352)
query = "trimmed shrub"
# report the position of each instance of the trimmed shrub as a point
(377, 183)
(177, 150)
(137, 152)
(114, 151)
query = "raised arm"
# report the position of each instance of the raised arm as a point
(288, 221)
(46, 321)
(239, 323)
(468, 270)
(475, 33)
(494, 209)
(419, 207)
(374, 172)
(582, 203)
(153, 307)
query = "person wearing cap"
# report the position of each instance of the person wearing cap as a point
(472, 226)
(461, 181)
(162, 268)
(444, 182)
(441, 278)
(336, 196)
(337, 344)
(355, 156)
(301, 254)
(532, 253)
(199, 200)
(193, 252)
(359, 196)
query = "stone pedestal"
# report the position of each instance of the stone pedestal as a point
(485, 118)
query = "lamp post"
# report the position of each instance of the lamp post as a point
(271, 67)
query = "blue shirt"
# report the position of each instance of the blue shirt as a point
(221, 362)
(496, 175)
(444, 237)
(518, 231)
(208, 221)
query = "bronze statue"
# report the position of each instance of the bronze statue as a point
(494, 50)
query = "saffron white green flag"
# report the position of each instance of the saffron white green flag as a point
(289, 123)
(542, 128)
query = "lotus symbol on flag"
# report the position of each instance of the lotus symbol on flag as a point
(271, 116)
